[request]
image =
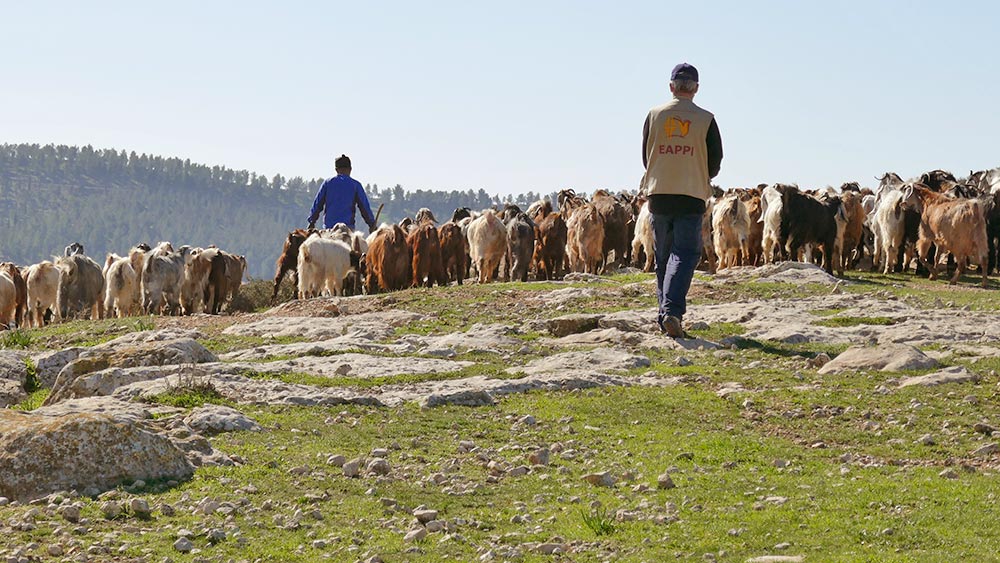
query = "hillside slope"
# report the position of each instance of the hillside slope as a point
(110, 200)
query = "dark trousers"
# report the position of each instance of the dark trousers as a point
(678, 251)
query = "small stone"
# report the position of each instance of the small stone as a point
(111, 509)
(519, 471)
(352, 468)
(336, 460)
(216, 535)
(378, 466)
(780, 463)
(70, 513)
(819, 360)
(139, 507)
(600, 479)
(425, 515)
(380, 452)
(166, 509)
(527, 420)
(664, 481)
(948, 474)
(926, 440)
(683, 362)
(434, 526)
(55, 550)
(988, 449)
(980, 427)
(550, 548)
(415, 535)
(539, 457)
(183, 545)
(318, 544)
(782, 546)
(888, 532)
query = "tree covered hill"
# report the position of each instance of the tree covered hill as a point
(109, 200)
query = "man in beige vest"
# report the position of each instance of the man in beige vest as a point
(682, 152)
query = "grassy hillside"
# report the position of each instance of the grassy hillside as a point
(110, 200)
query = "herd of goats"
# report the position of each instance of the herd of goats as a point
(900, 224)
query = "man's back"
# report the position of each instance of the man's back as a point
(676, 151)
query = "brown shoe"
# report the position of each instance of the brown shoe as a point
(672, 327)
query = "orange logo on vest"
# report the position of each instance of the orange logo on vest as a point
(675, 127)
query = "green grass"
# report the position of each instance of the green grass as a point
(732, 500)
(34, 400)
(16, 338)
(192, 391)
(722, 465)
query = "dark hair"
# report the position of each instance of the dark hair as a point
(342, 162)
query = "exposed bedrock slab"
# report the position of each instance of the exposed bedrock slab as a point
(105, 382)
(598, 360)
(234, 386)
(791, 321)
(315, 328)
(481, 390)
(479, 337)
(348, 342)
(953, 374)
(641, 340)
(126, 354)
(887, 357)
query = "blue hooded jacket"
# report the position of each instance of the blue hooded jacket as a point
(339, 196)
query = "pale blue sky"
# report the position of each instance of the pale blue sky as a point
(510, 96)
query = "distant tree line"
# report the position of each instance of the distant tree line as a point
(109, 200)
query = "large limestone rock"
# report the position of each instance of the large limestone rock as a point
(40, 454)
(886, 357)
(131, 350)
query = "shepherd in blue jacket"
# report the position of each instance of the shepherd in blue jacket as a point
(339, 196)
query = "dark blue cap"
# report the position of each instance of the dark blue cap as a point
(684, 71)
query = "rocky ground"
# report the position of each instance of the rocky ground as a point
(807, 418)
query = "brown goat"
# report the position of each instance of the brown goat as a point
(550, 245)
(454, 252)
(955, 226)
(387, 263)
(289, 259)
(425, 252)
(615, 220)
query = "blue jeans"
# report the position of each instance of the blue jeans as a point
(678, 252)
